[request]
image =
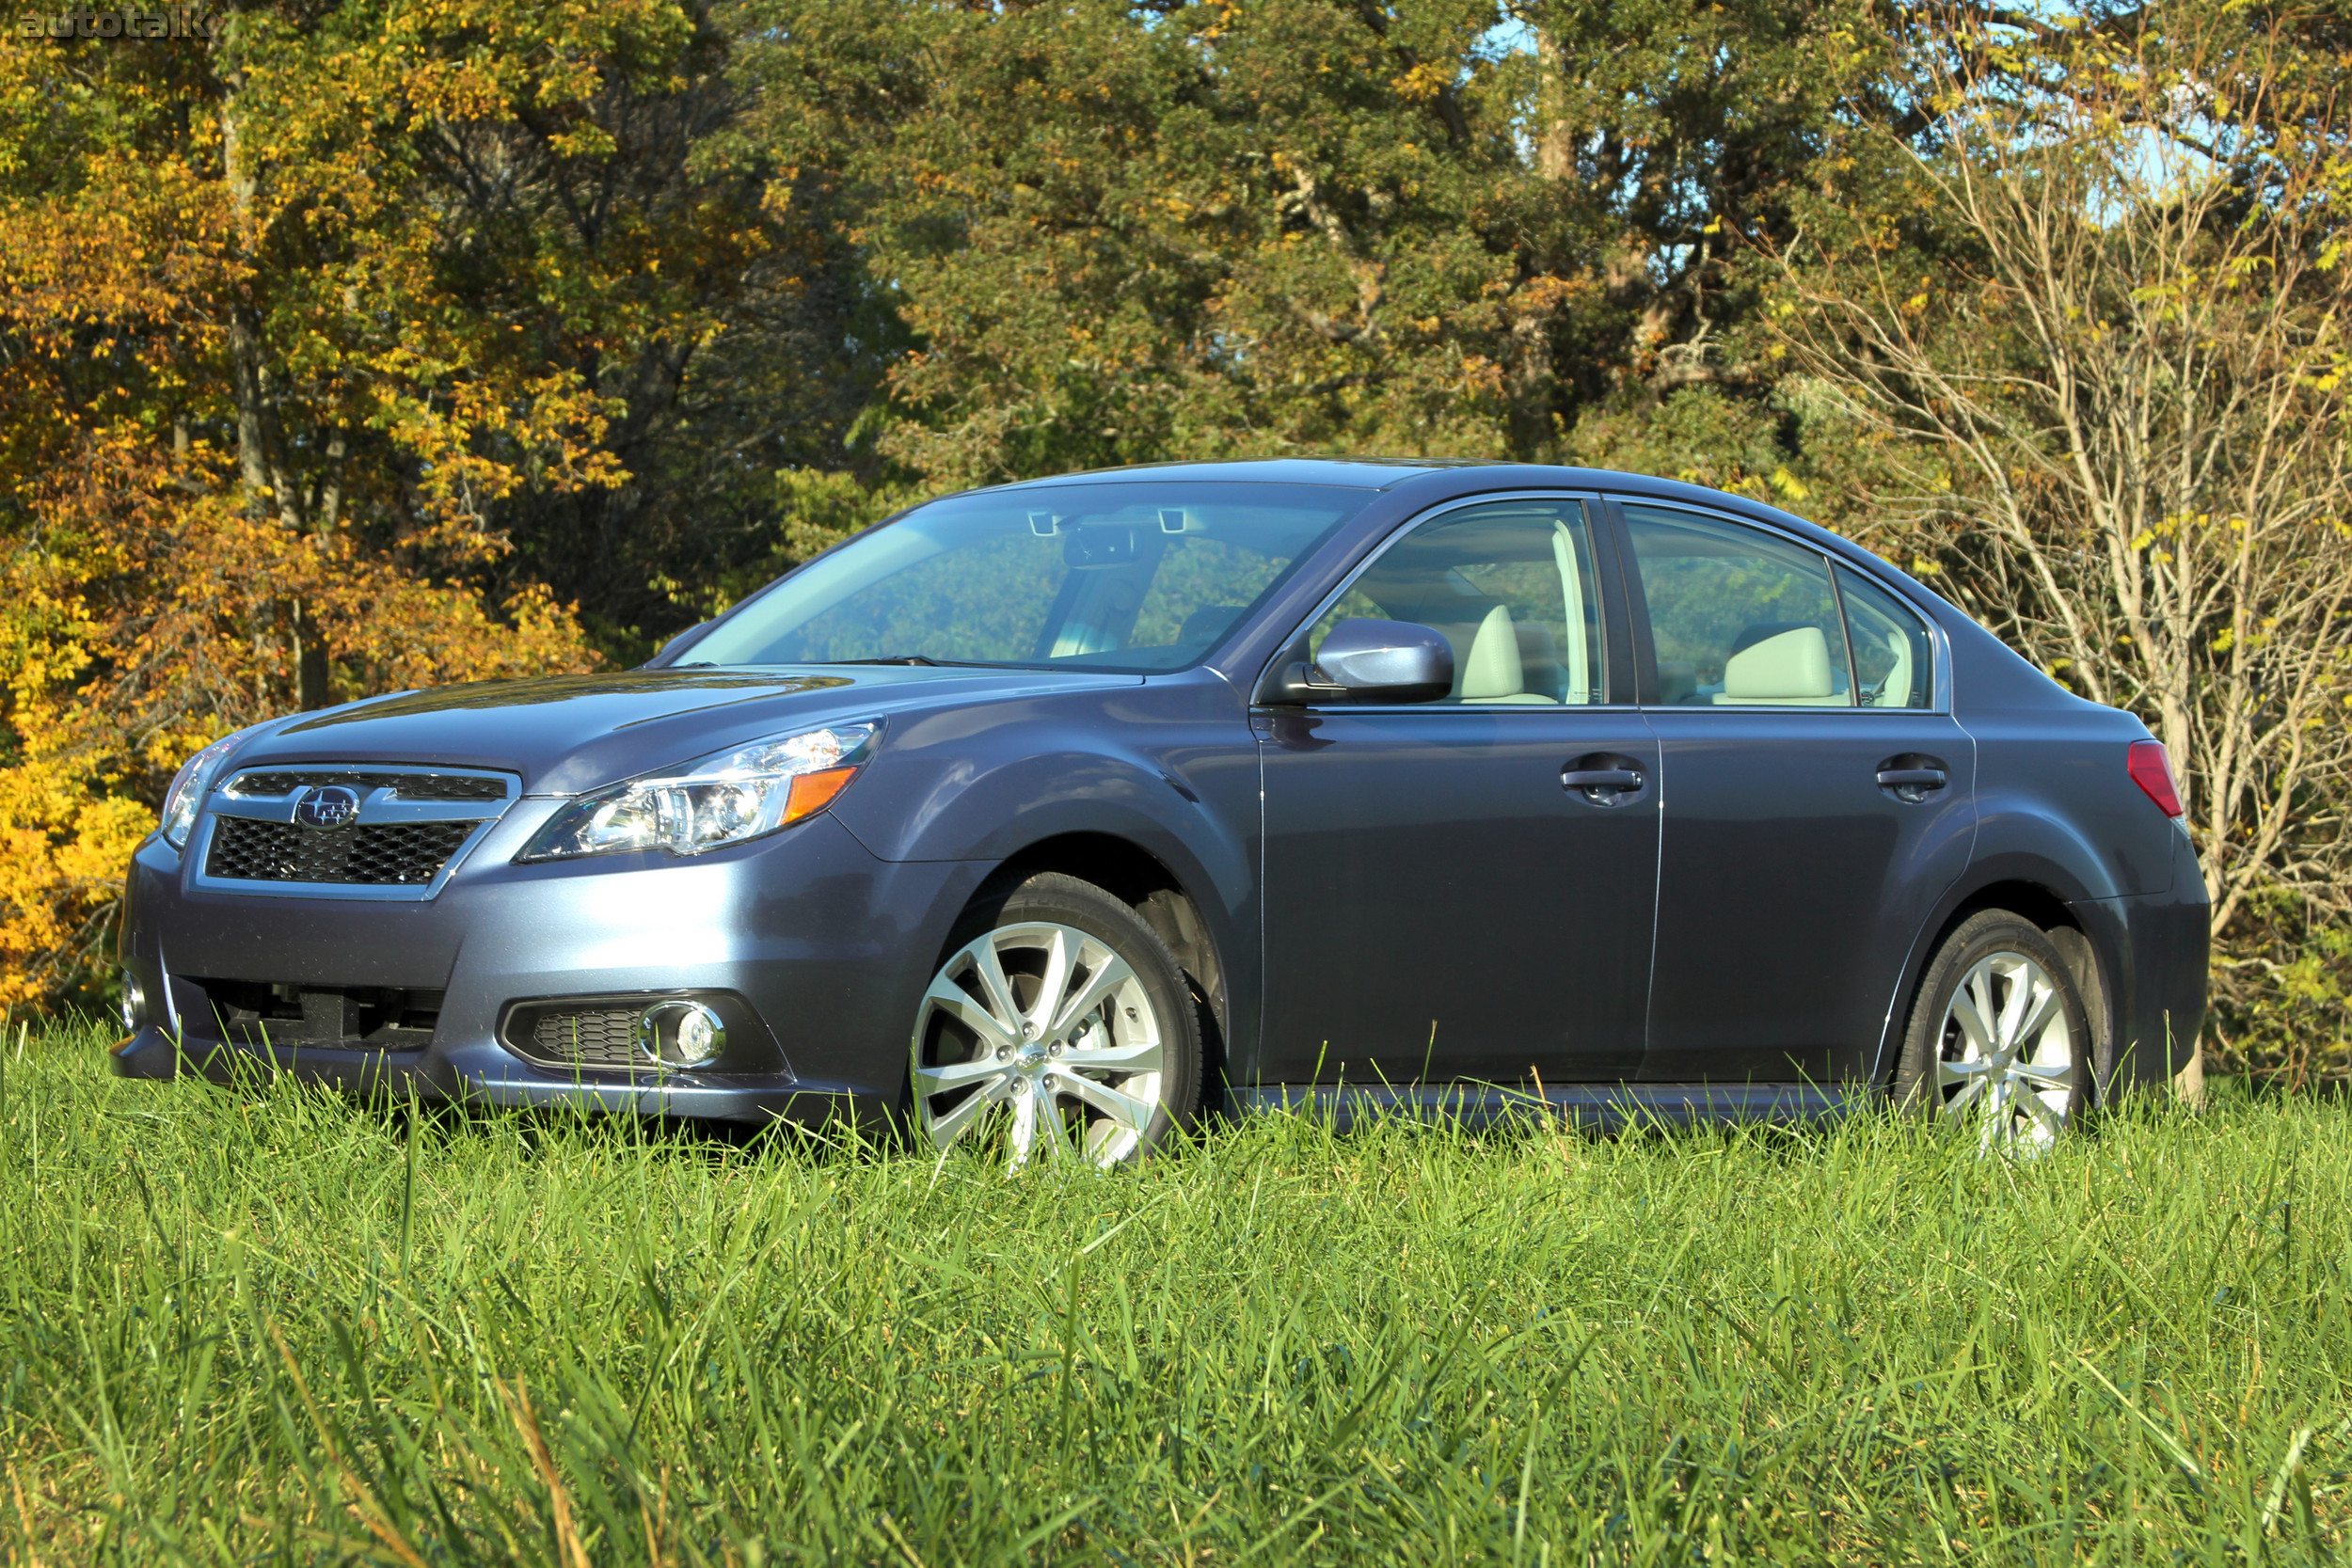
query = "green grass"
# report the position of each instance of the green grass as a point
(276, 1328)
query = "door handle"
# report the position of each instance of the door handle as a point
(1600, 778)
(1912, 778)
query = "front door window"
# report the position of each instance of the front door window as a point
(1510, 585)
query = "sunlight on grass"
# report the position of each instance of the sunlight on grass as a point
(279, 1326)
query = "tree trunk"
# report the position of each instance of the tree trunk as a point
(264, 478)
(310, 666)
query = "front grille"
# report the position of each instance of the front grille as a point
(406, 786)
(590, 1037)
(389, 854)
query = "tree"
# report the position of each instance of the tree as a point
(1121, 234)
(280, 330)
(2092, 325)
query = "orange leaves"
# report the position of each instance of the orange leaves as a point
(145, 614)
(295, 332)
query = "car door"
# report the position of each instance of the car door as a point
(1817, 798)
(1462, 889)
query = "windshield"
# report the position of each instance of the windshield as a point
(1130, 577)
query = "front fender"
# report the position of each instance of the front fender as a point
(1170, 766)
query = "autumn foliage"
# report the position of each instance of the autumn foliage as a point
(265, 372)
(366, 343)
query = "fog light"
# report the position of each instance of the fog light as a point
(133, 1005)
(681, 1034)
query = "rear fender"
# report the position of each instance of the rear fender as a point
(2056, 880)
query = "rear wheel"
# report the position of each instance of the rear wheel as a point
(1059, 1028)
(1999, 1040)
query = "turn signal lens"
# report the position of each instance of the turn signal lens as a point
(2152, 769)
(813, 792)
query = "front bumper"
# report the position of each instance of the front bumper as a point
(827, 945)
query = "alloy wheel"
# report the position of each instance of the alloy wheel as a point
(2006, 1061)
(1042, 1034)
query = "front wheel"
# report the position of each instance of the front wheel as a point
(1059, 1027)
(1999, 1040)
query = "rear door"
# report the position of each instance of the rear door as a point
(1817, 798)
(1462, 889)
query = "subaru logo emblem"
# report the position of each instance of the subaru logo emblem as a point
(328, 806)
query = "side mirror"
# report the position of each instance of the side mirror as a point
(1370, 662)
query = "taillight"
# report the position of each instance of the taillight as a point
(2152, 771)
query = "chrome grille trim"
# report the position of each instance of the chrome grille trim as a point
(405, 785)
(414, 826)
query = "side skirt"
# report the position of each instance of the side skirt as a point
(1599, 1107)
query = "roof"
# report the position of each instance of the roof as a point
(1351, 473)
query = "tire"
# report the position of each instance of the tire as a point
(1105, 1075)
(2020, 1078)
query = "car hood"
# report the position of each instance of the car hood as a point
(569, 734)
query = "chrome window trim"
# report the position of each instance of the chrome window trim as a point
(1592, 525)
(1939, 645)
(375, 810)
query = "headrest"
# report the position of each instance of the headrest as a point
(1492, 668)
(1785, 665)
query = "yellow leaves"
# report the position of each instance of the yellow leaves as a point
(146, 615)
(62, 850)
(1423, 82)
(589, 141)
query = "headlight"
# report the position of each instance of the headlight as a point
(759, 789)
(186, 794)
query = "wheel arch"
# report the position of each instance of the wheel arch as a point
(1147, 885)
(2041, 899)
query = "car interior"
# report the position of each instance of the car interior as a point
(1737, 618)
(1510, 587)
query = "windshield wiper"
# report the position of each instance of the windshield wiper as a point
(896, 659)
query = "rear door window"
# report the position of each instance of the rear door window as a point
(1894, 661)
(1738, 617)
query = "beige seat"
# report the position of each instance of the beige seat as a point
(1787, 670)
(1491, 671)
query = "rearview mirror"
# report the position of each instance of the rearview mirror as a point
(1370, 662)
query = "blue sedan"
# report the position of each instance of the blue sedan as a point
(1045, 818)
